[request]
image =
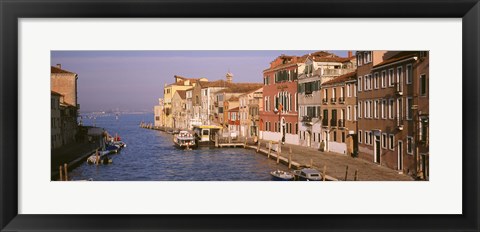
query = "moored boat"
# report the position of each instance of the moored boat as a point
(282, 175)
(184, 139)
(205, 134)
(101, 156)
(307, 174)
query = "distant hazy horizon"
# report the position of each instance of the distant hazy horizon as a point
(133, 80)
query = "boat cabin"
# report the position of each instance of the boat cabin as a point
(206, 133)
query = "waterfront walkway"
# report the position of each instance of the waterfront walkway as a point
(336, 164)
(70, 154)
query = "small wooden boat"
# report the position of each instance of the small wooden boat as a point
(184, 139)
(282, 175)
(101, 156)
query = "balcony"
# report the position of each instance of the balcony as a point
(333, 100)
(306, 119)
(341, 100)
(399, 123)
(325, 101)
(258, 95)
(336, 72)
(398, 89)
(341, 123)
(333, 123)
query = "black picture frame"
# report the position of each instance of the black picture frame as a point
(11, 11)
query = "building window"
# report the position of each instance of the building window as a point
(359, 84)
(343, 136)
(390, 108)
(375, 80)
(423, 130)
(409, 109)
(370, 138)
(348, 113)
(359, 59)
(391, 141)
(359, 136)
(367, 81)
(384, 140)
(365, 109)
(410, 145)
(409, 74)
(348, 90)
(384, 105)
(355, 113)
(355, 89)
(335, 136)
(359, 109)
(296, 128)
(384, 77)
(423, 85)
(366, 138)
(390, 77)
(400, 77)
(375, 109)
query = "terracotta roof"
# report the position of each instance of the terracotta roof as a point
(242, 87)
(231, 87)
(346, 77)
(320, 56)
(397, 57)
(332, 59)
(234, 109)
(233, 98)
(188, 78)
(54, 69)
(253, 91)
(182, 93)
(56, 93)
(219, 83)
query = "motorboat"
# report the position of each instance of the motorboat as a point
(184, 139)
(282, 175)
(120, 143)
(307, 174)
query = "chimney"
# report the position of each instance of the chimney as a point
(59, 66)
(350, 54)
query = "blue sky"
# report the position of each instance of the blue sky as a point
(133, 80)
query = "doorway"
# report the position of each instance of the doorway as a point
(400, 155)
(377, 151)
(309, 139)
(326, 138)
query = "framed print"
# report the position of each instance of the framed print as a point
(161, 113)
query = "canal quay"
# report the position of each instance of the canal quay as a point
(150, 155)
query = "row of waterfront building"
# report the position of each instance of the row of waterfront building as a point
(373, 105)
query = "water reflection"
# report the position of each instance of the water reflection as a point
(151, 156)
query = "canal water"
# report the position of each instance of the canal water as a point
(151, 156)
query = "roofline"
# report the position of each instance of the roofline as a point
(415, 57)
(287, 66)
